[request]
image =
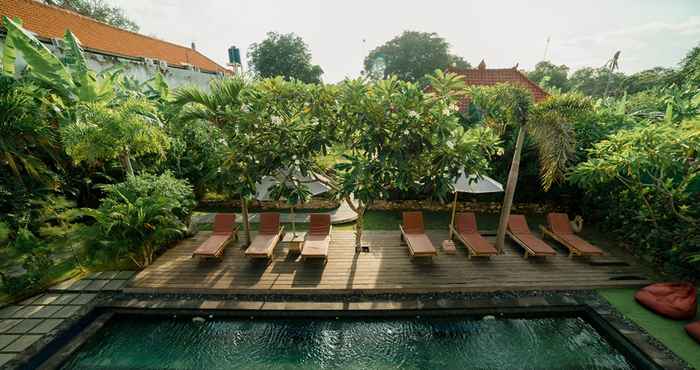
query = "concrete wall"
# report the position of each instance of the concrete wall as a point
(137, 69)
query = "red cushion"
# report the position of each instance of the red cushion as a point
(693, 330)
(674, 300)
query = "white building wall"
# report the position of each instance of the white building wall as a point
(137, 69)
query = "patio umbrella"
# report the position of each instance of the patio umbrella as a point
(262, 189)
(472, 184)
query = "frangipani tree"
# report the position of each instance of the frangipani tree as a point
(270, 126)
(549, 123)
(401, 137)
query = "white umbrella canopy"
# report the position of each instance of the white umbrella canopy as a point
(262, 189)
(477, 184)
(472, 184)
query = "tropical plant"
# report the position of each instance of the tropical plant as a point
(549, 124)
(136, 218)
(125, 131)
(402, 138)
(285, 55)
(651, 177)
(26, 134)
(411, 56)
(73, 80)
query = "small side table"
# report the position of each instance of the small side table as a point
(448, 246)
(294, 241)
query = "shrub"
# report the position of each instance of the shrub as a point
(138, 217)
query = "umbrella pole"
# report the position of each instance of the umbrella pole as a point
(294, 228)
(454, 210)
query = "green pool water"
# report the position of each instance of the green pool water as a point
(420, 343)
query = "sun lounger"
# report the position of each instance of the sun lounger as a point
(520, 233)
(413, 233)
(269, 234)
(224, 229)
(466, 232)
(560, 230)
(318, 238)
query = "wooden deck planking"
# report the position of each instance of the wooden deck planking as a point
(387, 268)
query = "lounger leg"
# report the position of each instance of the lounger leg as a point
(525, 255)
(571, 254)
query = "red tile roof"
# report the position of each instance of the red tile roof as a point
(487, 76)
(51, 22)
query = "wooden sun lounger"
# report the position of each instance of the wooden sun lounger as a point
(465, 231)
(520, 233)
(269, 234)
(413, 233)
(318, 238)
(224, 229)
(560, 230)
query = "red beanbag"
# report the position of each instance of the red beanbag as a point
(677, 301)
(693, 330)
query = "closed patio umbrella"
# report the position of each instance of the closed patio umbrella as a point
(472, 184)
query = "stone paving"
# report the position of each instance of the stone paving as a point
(107, 281)
(34, 321)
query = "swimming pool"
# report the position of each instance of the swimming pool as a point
(144, 342)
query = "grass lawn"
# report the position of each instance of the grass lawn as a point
(390, 220)
(669, 332)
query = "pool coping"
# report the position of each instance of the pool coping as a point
(599, 312)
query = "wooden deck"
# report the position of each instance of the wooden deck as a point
(386, 269)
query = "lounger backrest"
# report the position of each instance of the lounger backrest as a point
(269, 223)
(517, 224)
(465, 223)
(559, 223)
(413, 222)
(320, 224)
(223, 223)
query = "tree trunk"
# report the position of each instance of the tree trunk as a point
(358, 228)
(126, 163)
(246, 224)
(510, 191)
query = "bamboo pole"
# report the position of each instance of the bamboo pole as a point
(454, 211)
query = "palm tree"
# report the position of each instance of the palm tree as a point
(221, 106)
(25, 131)
(548, 124)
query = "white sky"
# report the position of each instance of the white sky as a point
(583, 33)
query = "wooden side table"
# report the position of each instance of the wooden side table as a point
(448, 246)
(294, 241)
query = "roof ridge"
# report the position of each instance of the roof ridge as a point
(71, 12)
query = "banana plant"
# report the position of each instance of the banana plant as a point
(72, 80)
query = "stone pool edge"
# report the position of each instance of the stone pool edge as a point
(362, 305)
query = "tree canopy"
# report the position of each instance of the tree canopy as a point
(549, 75)
(411, 56)
(285, 55)
(100, 10)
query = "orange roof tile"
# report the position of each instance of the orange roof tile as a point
(486, 77)
(51, 22)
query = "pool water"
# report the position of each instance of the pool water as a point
(419, 343)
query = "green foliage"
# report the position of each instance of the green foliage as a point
(411, 56)
(102, 132)
(649, 79)
(35, 263)
(403, 139)
(650, 178)
(26, 135)
(690, 67)
(595, 82)
(285, 55)
(550, 76)
(99, 10)
(136, 218)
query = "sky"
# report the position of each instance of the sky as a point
(504, 33)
